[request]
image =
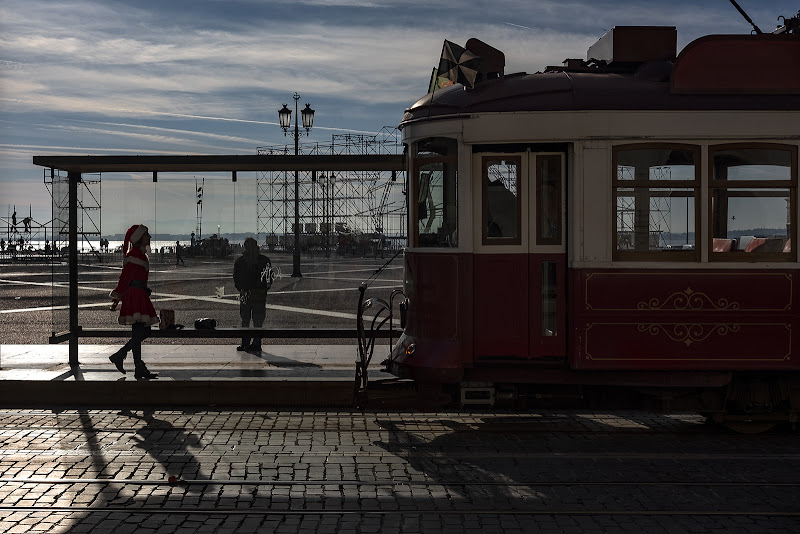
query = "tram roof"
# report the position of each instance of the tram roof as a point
(717, 72)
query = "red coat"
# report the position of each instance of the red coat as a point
(136, 305)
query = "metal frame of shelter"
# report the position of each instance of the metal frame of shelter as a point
(76, 166)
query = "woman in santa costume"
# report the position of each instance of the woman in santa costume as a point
(132, 290)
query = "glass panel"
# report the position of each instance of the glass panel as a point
(656, 164)
(436, 205)
(652, 219)
(502, 198)
(751, 220)
(437, 147)
(549, 299)
(59, 234)
(548, 176)
(753, 164)
(437, 193)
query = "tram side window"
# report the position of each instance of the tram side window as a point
(501, 200)
(436, 189)
(656, 188)
(753, 196)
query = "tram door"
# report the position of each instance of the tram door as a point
(520, 255)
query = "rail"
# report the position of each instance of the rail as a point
(266, 333)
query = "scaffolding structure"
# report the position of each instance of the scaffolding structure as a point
(89, 212)
(331, 205)
(21, 232)
(631, 212)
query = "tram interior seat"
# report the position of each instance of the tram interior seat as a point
(724, 245)
(764, 244)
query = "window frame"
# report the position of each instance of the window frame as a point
(755, 185)
(695, 185)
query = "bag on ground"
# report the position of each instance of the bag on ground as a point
(205, 323)
(167, 319)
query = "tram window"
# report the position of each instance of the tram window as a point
(548, 198)
(501, 200)
(436, 184)
(549, 299)
(656, 190)
(753, 194)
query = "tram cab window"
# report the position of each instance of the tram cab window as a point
(753, 196)
(435, 188)
(656, 188)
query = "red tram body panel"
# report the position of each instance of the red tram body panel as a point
(621, 220)
(715, 320)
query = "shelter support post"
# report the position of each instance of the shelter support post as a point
(74, 179)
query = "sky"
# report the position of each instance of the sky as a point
(103, 77)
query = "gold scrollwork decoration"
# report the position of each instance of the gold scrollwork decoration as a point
(688, 299)
(688, 333)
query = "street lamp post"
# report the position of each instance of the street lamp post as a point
(285, 116)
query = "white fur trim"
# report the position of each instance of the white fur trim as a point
(138, 233)
(137, 318)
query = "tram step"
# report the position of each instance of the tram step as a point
(477, 394)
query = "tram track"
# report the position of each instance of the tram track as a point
(419, 452)
(333, 482)
(410, 511)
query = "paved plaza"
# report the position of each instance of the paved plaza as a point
(175, 471)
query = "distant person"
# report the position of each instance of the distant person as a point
(27, 222)
(136, 310)
(14, 221)
(178, 253)
(47, 247)
(252, 276)
(22, 243)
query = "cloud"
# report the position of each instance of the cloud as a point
(196, 77)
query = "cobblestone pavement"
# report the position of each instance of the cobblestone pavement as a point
(247, 471)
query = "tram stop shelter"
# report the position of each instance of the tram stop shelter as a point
(77, 166)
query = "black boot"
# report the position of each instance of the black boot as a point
(143, 373)
(117, 358)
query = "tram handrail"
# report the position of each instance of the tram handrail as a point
(366, 338)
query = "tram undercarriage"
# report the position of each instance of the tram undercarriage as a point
(745, 402)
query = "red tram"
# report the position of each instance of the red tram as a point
(627, 221)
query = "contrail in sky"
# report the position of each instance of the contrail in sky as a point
(227, 119)
(516, 25)
(200, 117)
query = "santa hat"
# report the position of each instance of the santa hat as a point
(133, 235)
